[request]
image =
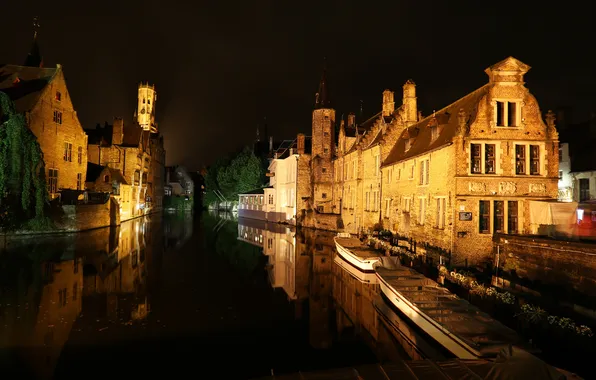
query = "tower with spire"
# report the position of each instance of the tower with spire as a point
(323, 144)
(34, 58)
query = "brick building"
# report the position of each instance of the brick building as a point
(361, 149)
(469, 170)
(133, 147)
(42, 96)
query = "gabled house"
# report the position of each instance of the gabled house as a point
(124, 146)
(110, 180)
(473, 168)
(42, 96)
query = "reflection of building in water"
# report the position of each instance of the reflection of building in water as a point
(280, 248)
(177, 228)
(115, 280)
(299, 263)
(279, 245)
(38, 313)
(320, 246)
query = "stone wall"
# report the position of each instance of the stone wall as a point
(319, 221)
(89, 216)
(571, 265)
(52, 134)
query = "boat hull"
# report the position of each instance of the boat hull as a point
(365, 277)
(445, 338)
(366, 265)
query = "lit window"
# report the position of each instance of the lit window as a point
(57, 117)
(440, 219)
(67, 152)
(53, 181)
(421, 210)
(424, 172)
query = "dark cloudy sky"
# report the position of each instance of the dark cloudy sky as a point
(221, 66)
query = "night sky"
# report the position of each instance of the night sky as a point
(220, 67)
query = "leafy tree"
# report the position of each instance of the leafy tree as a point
(211, 184)
(243, 173)
(23, 191)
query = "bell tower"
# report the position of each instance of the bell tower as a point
(146, 107)
(323, 145)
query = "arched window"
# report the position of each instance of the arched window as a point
(106, 178)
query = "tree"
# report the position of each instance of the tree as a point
(241, 175)
(23, 190)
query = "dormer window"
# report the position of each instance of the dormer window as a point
(58, 96)
(409, 143)
(507, 114)
(434, 133)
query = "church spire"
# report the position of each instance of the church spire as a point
(34, 58)
(322, 97)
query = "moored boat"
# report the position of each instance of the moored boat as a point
(366, 277)
(354, 252)
(456, 325)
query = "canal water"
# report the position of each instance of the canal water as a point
(204, 296)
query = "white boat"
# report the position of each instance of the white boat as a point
(456, 325)
(365, 277)
(355, 253)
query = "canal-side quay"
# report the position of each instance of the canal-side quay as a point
(556, 339)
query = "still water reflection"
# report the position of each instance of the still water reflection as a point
(174, 294)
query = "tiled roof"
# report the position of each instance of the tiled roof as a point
(94, 171)
(447, 121)
(24, 84)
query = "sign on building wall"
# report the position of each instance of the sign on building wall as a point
(465, 216)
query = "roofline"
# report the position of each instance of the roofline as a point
(449, 105)
(418, 155)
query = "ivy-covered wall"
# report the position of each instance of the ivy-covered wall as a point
(23, 190)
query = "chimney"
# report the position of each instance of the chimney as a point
(300, 140)
(351, 119)
(410, 103)
(388, 103)
(118, 131)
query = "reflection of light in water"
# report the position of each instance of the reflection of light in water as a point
(580, 214)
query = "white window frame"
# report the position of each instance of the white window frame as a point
(423, 171)
(377, 165)
(441, 212)
(388, 202)
(421, 210)
(541, 158)
(407, 204)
